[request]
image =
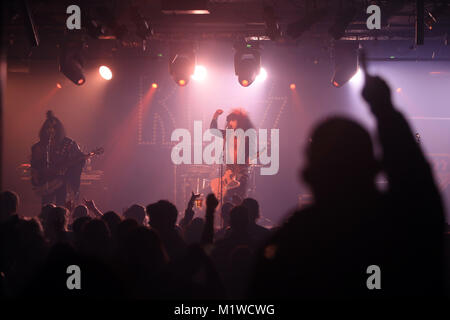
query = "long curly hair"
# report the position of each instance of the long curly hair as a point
(243, 120)
(51, 120)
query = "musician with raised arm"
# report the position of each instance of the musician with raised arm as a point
(56, 163)
(235, 177)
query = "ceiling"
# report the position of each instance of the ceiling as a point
(229, 20)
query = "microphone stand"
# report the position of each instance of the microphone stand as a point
(47, 158)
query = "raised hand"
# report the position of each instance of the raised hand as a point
(192, 199)
(217, 113)
(377, 93)
(90, 204)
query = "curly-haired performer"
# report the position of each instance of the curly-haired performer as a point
(235, 174)
(56, 163)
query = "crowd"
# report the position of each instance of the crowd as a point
(321, 251)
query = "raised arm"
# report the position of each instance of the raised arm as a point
(409, 174)
(208, 229)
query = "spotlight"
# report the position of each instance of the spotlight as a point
(262, 75)
(154, 85)
(345, 63)
(358, 79)
(292, 86)
(105, 72)
(247, 64)
(182, 64)
(58, 85)
(71, 63)
(199, 73)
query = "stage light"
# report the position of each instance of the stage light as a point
(199, 73)
(345, 63)
(357, 78)
(154, 85)
(247, 63)
(292, 86)
(182, 63)
(105, 72)
(71, 62)
(262, 75)
(399, 90)
(58, 85)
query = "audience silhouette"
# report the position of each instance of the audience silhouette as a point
(328, 249)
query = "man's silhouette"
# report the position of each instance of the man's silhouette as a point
(325, 249)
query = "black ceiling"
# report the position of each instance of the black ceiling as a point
(229, 20)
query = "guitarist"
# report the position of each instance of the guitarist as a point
(48, 157)
(237, 119)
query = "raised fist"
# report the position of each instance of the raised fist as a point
(377, 93)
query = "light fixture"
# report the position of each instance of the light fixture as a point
(182, 63)
(345, 62)
(71, 62)
(247, 63)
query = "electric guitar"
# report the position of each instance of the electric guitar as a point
(228, 182)
(46, 182)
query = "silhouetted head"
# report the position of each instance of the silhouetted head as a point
(52, 128)
(238, 119)
(225, 212)
(239, 218)
(340, 160)
(79, 211)
(162, 215)
(253, 208)
(96, 238)
(78, 225)
(144, 248)
(55, 220)
(44, 213)
(135, 212)
(9, 202)
(193, 231)
(112, 220)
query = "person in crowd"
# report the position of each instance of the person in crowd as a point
(330, 249)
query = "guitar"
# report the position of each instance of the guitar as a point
(46, 182)
(229, 182)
